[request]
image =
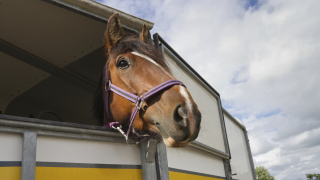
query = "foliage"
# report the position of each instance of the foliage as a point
(263, 173)
(313, 176)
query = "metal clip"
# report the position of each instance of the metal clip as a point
(140, 104)
(120, 130)
(109, 85)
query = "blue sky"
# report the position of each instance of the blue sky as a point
(251, 3)
(263, 59)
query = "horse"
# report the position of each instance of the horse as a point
(135, 66)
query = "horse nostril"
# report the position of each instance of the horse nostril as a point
(181, 113)
(180, 116)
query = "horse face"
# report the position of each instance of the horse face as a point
(137, 67)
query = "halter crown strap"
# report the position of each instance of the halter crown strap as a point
(133, 98)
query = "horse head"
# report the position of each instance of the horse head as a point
(135, 66)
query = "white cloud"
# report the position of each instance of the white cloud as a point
(264, 61)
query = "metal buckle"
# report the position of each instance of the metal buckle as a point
(120, 130)
(140, 104)
(109, 85)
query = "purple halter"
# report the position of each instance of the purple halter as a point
(133, 98)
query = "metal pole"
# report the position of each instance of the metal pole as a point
(148, 166)
(162, 162)
(28, 164)
(250, 155)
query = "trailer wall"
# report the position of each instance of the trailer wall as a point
(241, 162)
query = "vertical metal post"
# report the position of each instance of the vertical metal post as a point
(149, 171)
(162, 162)
(250, 155)
(28, 164)
(223, 127)
(226, 163)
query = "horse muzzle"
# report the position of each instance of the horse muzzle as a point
(185, 128)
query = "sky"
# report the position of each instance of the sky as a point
(263, 57)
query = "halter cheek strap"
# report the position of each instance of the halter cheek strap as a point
(133, 98)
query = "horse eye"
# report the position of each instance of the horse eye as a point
(123, 64)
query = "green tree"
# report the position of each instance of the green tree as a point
(313, 176)
(263, 173)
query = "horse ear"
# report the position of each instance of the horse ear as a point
(145, 35)
(114, 31)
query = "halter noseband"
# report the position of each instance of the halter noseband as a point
(108, 86)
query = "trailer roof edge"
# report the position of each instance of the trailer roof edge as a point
(106, 11)
(236, 120)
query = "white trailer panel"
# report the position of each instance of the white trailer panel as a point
(10, 156)
(194, 161)
(10, 147)
(211, 131)
(54, 149)
(240, 161)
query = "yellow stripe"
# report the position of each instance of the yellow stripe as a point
(10, 173)
(61, 173)
(184, 176)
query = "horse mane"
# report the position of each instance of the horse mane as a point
(126, 44)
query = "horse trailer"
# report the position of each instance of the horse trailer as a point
(52, 53)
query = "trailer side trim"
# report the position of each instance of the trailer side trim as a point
(195, 173)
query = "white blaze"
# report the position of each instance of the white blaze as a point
(185, 95)
(151, 60)
(182, 89)
(146, 57)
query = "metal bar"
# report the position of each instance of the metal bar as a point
(28, 163)
(66, 135)
(40, 63)
(250, 155)
(15, 121)
(227, 169)
(57, 128)
(209, 149)
(151, 150)
(223, 127)
(162, 162)
(187, 67)
(148, 168)
(56, 123)
(226, 162)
